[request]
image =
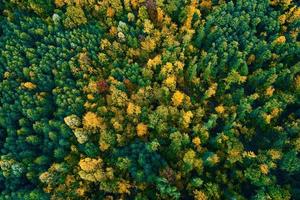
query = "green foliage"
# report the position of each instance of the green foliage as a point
(149, 99)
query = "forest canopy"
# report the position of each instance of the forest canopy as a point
(149, 99)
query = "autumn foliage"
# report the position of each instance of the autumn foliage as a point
(149, 99)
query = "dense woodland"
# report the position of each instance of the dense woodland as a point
(149, 99)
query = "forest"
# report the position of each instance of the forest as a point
(149, 100)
